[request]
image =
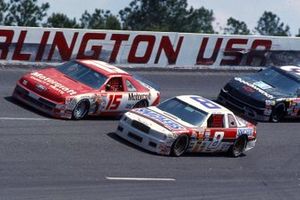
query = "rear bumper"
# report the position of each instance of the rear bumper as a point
(250, 111)
(40, 103)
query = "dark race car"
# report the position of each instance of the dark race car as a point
(268, 95)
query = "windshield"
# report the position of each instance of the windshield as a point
(279, 80)
(82, 74)
(183, 111)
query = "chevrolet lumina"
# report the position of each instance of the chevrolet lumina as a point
(187, 123)
(271, 94)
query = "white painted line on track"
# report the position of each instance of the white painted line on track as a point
(24, 119)
(139, 179)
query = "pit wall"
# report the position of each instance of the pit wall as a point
(146, 49)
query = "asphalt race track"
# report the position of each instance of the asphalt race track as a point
(45, 158)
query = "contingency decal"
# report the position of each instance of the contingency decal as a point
(254, 87)
(244, 131)
(262, 85)
(294, 108)
(167, 122)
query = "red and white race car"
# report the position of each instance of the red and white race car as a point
(187, 123)
(84, 87)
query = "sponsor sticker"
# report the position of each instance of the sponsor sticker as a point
(53, 84)
(40, 87)
(206, 135)
(137, 96)
(167, 122)
(32, 95)
(262, 85)
(245, 131)
(260, 90)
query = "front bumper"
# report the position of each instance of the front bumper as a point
(250, 111)
(40, 103)
(144, 140)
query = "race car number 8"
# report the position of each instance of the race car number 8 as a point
(205, 102)
(216, 140)
(114, 102)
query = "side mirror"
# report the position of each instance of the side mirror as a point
(107, 87)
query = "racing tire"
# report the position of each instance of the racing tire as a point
(180, 145)
(80, 110)
(277, 113)
(141, 104)
(238, 147)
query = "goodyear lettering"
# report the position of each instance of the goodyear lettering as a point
(54, 84)
(169, 123)
(136, 96)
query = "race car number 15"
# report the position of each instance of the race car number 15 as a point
(114, 102)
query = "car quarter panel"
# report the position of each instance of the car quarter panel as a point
(215, 140)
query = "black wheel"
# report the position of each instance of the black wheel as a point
(277, 113)
(141, 104)
(180, 145)
(238, 147)
(80, 110)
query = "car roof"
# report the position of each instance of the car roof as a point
(292, 70)
(103, 67)
(203, 104)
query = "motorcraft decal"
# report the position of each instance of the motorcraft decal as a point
(136, 96)
(254, 87)
(53, 84)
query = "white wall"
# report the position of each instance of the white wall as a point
(145, 49)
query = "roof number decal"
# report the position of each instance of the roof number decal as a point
(206, 103)
(293, 69)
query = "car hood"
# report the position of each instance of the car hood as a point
(53, 84)
(159, 118)
(257, 89)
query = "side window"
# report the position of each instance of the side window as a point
(115, 85)
(216, 121)
(231, 121)
(130, 86)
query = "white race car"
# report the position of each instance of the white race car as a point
(187, 124)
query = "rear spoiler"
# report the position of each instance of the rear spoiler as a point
(146, 82)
